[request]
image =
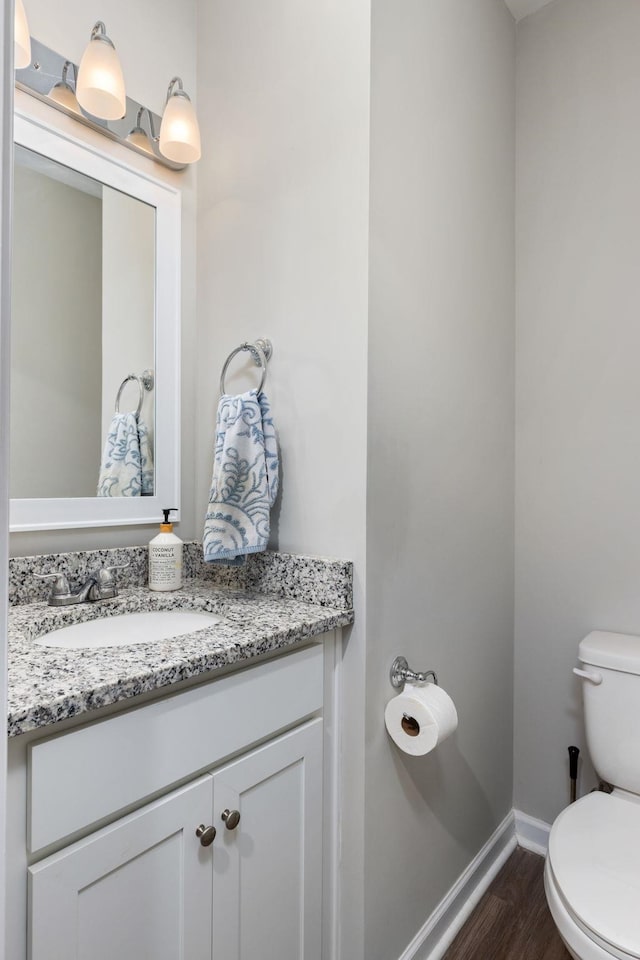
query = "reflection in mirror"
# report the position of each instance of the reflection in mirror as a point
(83, 321)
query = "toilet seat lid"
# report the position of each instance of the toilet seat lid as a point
(594, 852)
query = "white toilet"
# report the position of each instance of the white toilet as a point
(592, 873)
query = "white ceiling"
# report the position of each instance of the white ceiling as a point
(522, 8)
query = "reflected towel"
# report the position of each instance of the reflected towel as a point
(146, 459)
(245, 479)
(127, 463)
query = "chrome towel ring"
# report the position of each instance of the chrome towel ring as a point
(261, 352)
(145, 382)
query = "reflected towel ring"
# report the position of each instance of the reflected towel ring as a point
(261, 352)
(145, 382)
(126, 380)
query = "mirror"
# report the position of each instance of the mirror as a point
(95, 336)
(78, 333)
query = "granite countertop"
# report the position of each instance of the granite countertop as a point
(48, 684)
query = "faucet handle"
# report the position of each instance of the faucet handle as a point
(116, 566)
(105, 574)
(106, 581)
(61, 586)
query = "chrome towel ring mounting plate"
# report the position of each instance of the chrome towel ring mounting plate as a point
(261, 352)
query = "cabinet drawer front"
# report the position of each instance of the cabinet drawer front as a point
(81, 777)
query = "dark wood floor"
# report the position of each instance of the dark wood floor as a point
(512, 921)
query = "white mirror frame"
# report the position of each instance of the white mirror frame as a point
(59, 513)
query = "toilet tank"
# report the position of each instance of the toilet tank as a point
(612, 706)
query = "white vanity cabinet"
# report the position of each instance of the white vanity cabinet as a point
(116, 862)
(146, 887)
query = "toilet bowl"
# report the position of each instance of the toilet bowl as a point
(592, 877)
(592, 873)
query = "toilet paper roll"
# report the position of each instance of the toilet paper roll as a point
(420, 718)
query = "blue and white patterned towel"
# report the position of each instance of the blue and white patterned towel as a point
(127, 463)
(245, 479)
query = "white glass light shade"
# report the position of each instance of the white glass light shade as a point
(179, 133)
(22, 40)
(100, 88)
(64, 95)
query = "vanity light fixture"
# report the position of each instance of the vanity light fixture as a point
(180, 143)
(139, 137)
(100, 87)
(62, 92)
(179, 131)
(22, 38)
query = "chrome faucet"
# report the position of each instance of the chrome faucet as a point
(99, 585)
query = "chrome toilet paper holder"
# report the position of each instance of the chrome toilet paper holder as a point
(401, 673)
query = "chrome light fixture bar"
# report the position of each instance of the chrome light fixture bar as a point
(46, 69)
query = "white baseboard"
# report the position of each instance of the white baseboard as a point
(531, 834)
(437, 934)
(435, 937)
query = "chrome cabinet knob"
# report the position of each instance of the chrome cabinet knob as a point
(207, 835)
(231, 818)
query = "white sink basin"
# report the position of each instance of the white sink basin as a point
(121, 631)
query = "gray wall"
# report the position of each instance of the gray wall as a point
(578, 397)
(440, 461)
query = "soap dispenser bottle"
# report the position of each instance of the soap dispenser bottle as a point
(165, 557)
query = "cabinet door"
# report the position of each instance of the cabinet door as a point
(267, 871)
(137, 890)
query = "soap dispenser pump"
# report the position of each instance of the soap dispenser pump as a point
(165, 557)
